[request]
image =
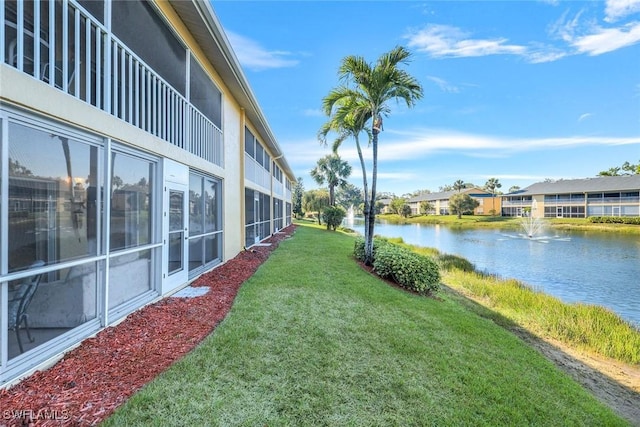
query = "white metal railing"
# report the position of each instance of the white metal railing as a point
(76, 54)
(565, 201)
(507, 202)
(600, 200)
(278, 188)
(255, 172)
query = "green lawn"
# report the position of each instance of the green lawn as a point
(314, 340)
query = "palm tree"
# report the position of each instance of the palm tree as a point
(459, 185)
(332, 170)
(364, 95)
(347, 121)
(492, 185)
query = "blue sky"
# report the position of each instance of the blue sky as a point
(521, 91)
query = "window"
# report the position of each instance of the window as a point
(139, 27)
(132, 181)
(52, 222)
(204, 94)
(249, 143)
(52, 202)
(257, 161)
(56, 189)
(257, 216)
(259, 154)
(277, 173)
(205, 225)
(132, 230)
(278, 213)
(288, 214)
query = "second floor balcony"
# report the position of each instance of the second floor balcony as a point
(62, 44)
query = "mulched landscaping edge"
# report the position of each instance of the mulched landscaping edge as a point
(95, 378)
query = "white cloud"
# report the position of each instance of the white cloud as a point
(584, 116)
(603, 40)
(421, 143)
(444, 85)
(582, 37)
(549, 55)
(564, 28)
(304, 153)
(617, 9)
(440, 41)
(443, 41)
(588, 37)
(255, 57)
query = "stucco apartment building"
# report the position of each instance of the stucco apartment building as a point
(133, 158)
(440, 202)
(577, 198)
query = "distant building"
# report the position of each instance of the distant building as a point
(133, 158)
(385, 205)
(577, 198)
(440, 202)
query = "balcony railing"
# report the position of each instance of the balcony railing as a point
(565, 201)
(255, 172)
(605, 200)
(507, 202)
(74, 53)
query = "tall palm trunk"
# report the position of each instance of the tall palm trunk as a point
(368, 206)
(372, 211)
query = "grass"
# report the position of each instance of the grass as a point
(314, 340)
(584, 326)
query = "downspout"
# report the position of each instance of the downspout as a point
(243, 207)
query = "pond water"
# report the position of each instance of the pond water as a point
(593, 268)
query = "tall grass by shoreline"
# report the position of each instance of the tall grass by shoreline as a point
(584, 326)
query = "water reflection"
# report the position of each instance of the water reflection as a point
(592, 268)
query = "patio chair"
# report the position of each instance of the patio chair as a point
(19, 300)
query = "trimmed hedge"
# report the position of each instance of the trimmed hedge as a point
(408, 269)
(358, 247)
(633, 220)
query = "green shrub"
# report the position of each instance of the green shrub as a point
(408, 269)
(333, 216)
(358, 247)
(633, 220)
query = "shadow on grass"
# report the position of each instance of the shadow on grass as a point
(624, 400)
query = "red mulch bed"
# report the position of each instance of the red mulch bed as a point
(99, 375)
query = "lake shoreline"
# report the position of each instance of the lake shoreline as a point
(510, 223)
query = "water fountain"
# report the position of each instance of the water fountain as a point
(348, 219)
(531, 224)
(350, 213)
(534, 227)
